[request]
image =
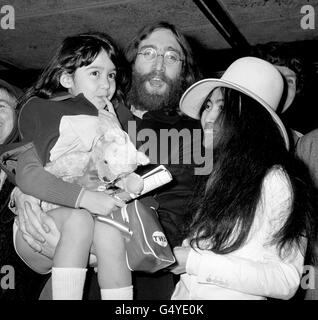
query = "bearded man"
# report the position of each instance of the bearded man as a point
(162, 68)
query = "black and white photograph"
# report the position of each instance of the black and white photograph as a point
(154, 152)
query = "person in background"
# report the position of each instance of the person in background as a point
(295, 76)
(8, 99)
(296, 99)
(27, 284)
(307, 151)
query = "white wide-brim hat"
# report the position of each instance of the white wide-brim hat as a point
(252, 76)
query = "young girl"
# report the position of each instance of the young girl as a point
(255, 216)
(86, 66)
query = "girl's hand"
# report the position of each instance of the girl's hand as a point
(109, 118)
(110, 107)
(100, 202)
(110, 125)
(181, 254)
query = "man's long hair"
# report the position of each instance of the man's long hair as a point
(249, 146)
(190, 71)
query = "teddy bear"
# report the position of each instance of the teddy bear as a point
(95, 156)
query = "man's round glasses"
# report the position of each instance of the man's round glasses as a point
(169, 57)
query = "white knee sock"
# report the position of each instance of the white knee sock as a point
(68, 283)
(125, 293)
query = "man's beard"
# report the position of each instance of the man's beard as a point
(167, 101)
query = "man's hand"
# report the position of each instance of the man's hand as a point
(38, 229)
(35, 221)
(19, 199)
(181, 254)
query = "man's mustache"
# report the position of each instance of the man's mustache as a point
(155, 74)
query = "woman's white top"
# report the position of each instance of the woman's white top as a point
(255, 271)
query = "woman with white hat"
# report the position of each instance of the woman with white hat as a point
(254, 217)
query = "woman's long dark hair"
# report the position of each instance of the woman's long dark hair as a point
(75, 52)
(250, 146)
